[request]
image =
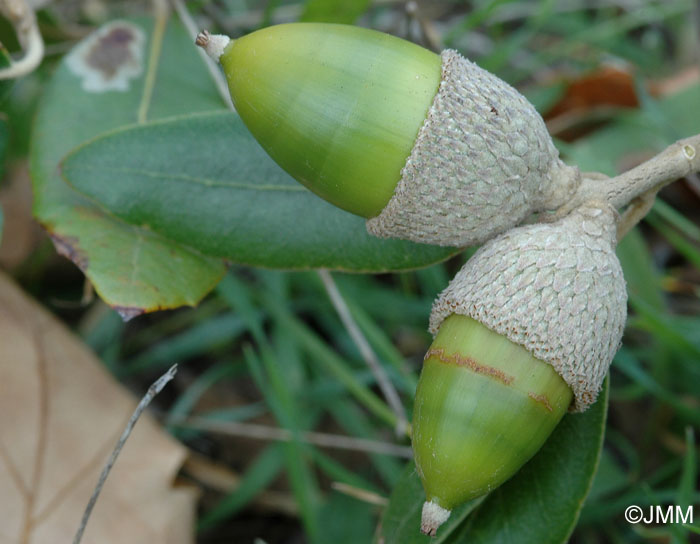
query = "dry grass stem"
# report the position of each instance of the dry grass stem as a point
(387, 388)
(155, 388)
(360, 494)
(267, 432)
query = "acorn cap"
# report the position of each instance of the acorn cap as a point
(482, 162)
(556, 289)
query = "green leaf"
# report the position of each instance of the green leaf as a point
(3, 150)
(5, 62)
(641, 273)
(676, 219)
(338, 473)
(203, 180)
(133, 268)
(541, 503)
(4, 142)
(334, 11)
(354, 420)
(677, 240)
(690, 470)
(258, 476)
(193, 341)
(326, 358)
(267, 377)
(610, 478)
(345, 520)
(626, 363)
(188, 399)
(664, 329)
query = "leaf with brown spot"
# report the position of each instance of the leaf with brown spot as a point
(130, 266)
(60, 416)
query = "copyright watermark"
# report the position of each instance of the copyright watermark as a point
(659, 515)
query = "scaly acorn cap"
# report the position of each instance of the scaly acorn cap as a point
(556, 289)
(483, 162)
(430, 148)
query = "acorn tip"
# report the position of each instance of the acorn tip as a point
(432, 517)
(202, 38)
(213, 44)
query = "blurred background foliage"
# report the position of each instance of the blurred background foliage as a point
(291, 441)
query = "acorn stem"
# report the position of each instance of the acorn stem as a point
(676, 161)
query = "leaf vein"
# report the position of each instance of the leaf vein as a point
(191, 179)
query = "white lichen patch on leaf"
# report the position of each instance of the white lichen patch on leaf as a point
(109, 57)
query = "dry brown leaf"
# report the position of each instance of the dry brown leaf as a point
(607, 86)
(60, 416)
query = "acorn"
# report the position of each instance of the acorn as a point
(526, 330)
(429, 148)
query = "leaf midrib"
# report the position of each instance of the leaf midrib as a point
(183, 177)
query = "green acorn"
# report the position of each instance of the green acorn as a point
(526, 330)
(429, 148)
